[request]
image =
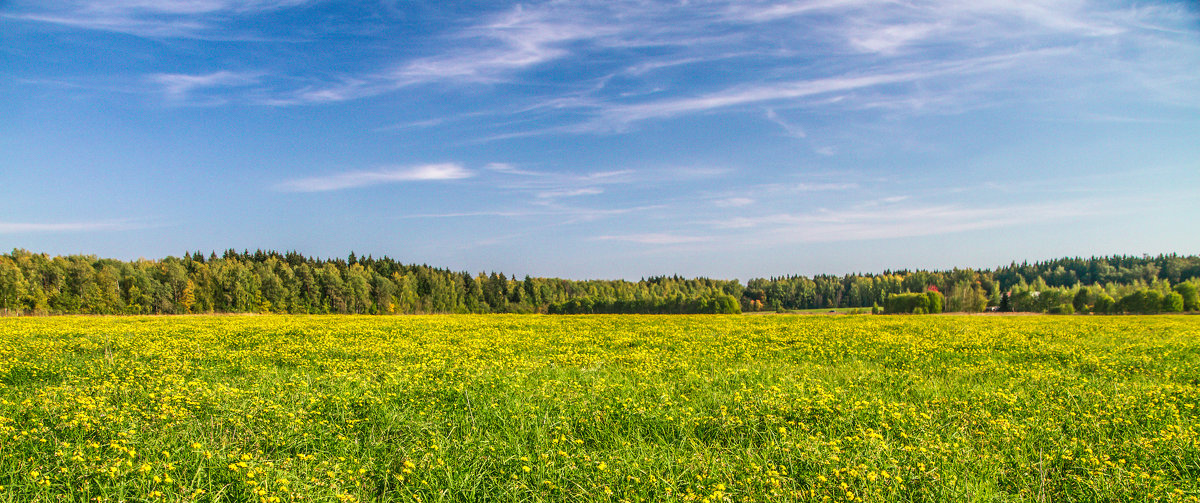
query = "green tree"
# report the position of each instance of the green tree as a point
(333, 289)
(936, 301)
(1082, 300)
(1172, 303)
(12, 285)
(1190, 294)
(382, 293)
(1152, 302)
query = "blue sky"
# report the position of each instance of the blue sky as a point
(604, 139)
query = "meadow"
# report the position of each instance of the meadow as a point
(600, 408)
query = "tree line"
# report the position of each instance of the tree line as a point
(274, 282)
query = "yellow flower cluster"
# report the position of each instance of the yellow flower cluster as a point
(612, 408)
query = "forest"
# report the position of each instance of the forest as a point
(274, 282)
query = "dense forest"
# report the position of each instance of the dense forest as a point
(273, 282)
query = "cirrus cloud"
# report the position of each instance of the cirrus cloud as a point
(357, 179)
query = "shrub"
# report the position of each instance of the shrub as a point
(904, 303)
(1191, 297)
(1062, 309)
(1104, 304)
(936, 301)
(1082, 298)
(1172, 303)
(1152, 302)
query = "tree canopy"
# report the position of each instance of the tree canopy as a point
(274, 282)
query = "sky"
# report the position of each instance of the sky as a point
(604, 139)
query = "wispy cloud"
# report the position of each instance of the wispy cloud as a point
(889, 39)
(84, 226)
(519, 39)
(791, 129)
(179, 86)
(133, 26)
(356, 179)
(202, 19)
(733, 202)
(467, 214)
(554, 214)
(509, 169)
(898, 46)
(890, 221)
(766, 11)
(557, 184)
(555, 194)
(489, 52)
(818, 187)
(655, 238)
(619, 115)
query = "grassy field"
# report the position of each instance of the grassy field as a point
(823, 310)
(605, 408)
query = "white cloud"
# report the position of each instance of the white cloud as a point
(179, 85)
(182, 7)
(356, 179)
(554, 194)
(889, 39)
(550, 184)
(885, 56)
(140, 27)
(821, 187)
(791, 129)
(624, 114)
(733, 202)
(559, 214)
(89, 226)
(509, 169)
(487, 53)
(869, 221)
(773, 11)
(153, 18)
(520, 39)
(655, 238)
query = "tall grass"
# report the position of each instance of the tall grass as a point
(600, 408)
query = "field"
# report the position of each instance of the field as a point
(603, 408)
(825, 310)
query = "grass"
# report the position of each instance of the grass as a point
(824, 310)
(600, 408)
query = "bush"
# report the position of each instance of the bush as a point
(1023, 302)
(904, 303)
(1082, 298)
(936, 301)
(1141, 302)
(1104, 304)
(1152, 303)
(1172, 303)
(1191, 297)
(1062, 309)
